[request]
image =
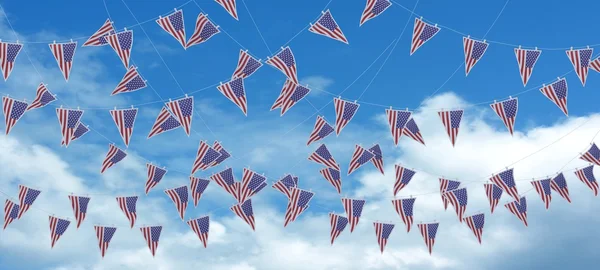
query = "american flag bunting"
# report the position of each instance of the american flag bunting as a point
(422, 32)
(224, 154)
(592, 155)
(244, 211)
(80, 130)
(359, 158)
(124, 119)
(519, 209)
(11, 212)
(246, 65)
(403, 177)
(321, 130)
(458, 199)
(412, 130)
(344, 112)
(174, 25)
(383, 231)
(114, 156)
(542, 187)
(324, 157)
(334, 177)
(226, 180)
(445, 186)
(99, 37)
(557, 93)
(338, 224)
(506, 181)
(8, 55)
(13, 111)
(154, 175)
(104, 235)
(493, 194)
(152, 236)
(526, 60)
(128, 205)
(353, 208)
(165, 121)
(475, 223)
(230, 7)
(132, 81)
(203, 31)
(235, 91)
(64, 53)
(179, 196)
(43, 97)
(68, 120)
(474, 51)
(581, 62)
(595, 64)
(326, 26)
(205, 157)
(559, 184)
(79, 205)
(200, 227)
(507, 111)
(585, 175)
(251, 184)
(197, 187)
(122, 43)
(404, 208)
(428, 231)
(284, 61)
(289, 96)
(373, 9)
(285, 184)
(378, 157)
(451, 122)
(183, 109)
(397, 120)
(58, 227)
(27, 196)
(297, 203)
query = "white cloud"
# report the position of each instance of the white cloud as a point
(317, 83)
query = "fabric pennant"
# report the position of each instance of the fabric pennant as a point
(412, 130)
(324, 157)
(422, 32)
(285, 185)
(334, 177)
(559, 184)
(404, 208)
(289, 96)
(557, 93)
(58, 227)
(428, 231)
(99, 37)
(506, 181)
(321, 130)
(154, 175)
(507, 111)
(68, 120)
(183, 110)
(595, 64)
(124, 119)
(79, 205)
(174, 25)
(542, 187)
(344, 112)
(43, 97)
(359, 158)
(458, 199)
(205, 157)
(198, 186)
(104, 235)
(383, 231)
(114, 156)
(474, 51)
(152, 236)
(493, 193)
(519, 209)
(132, 81)
(251, 184)
(230, 7)
(378, 157)
(397, 120)
(580, 59)
(224, 154)
(297, 203)
(592, 155)
(128, 205)
(353, 208)
(338, 224)
(403, 177)
(446, 186)
(8, 56)
(203, 31)
(64, 53)
(235, 91)
(27, 197)
(585, 175)
(475, 223)
(179, 196)
(122, 43)
(13, 111)
(11, 212)
(165, 121)
(200, 227)
(326, 26)
(226, 180)
(246, 65)
(373, 9)
(244, 211)
(284, 61)
(451, 121)
(526, 60)
(80, 130)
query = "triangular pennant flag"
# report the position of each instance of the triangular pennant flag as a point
(27, 197)
(285, 184)
(58, 227)
(99, 37)
(422, 32)
(557, 93)
(284, 61)
(229, 6)
(321, 130)
(403, 177)
(43, 97)
(383, 231)
(203, 31)
(493, 193)
(244, 211)
(378, 158)
(373, 9)
(246, 65)
(519, 209)
(326, 26)
(174, 25)
(124, 119)
(428, 231)
(64, 53)
(200, 227)
(451, 121)
(179, 196)
(80, 130)
(114, 156)
(68, 120)
(8, 55)
(559, 184)
(507, 111)
(412, 130)
(152, 236)
(13, 111)
(397, 121)
(475, 223)
(226, 180)
(183, 109)
(11, 212)
(198, 186)
(344, 112)
(595, 64)
(251, 184)
(526, 60)
(404, 208)
(205, 157)
(122, 43)
(458, 199)
(359, 158)
(128, 205)
(474, 51)
(334, 177)
(581, 62)
(104, 235)
(155, 174)
(234, 90)
(338, 224)
(131, 82)
(165, 121)
(592, 155)
(79, 205)
(297, 203)
(585, 175)
(324, 157)
(353, 208)
(506, 181)
(542, 187)
(224, 154)
(289, 96)
(445, 186)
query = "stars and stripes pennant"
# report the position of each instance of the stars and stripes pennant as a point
(338, 224)
(179, 196)
(373, 9)
(542, 187)
(104, 235)
(124, 119)
(285, 184)
(128, 205)
(526, 60)
(64, 53)
(377, 158)
(174, 25)
(326, 26)
(422, 32)
(183, 109)
(244, 211)
(458, 199)
(493, 194)
(246, 65)
(334, 177)
(404, 208)
(507, 111)
(451, 121)
(321, 130)
(506, 181)
(165, 121)
(58, 227)
(324, 157)
(412, 130)
(595, 64)
(8, 55)
(27, 197)
(383, 231)
(235, 91)
(474, 50)
(200, 227)
(154, 175)
(344, 112)
(475, 223)
(519, 209)
(224, 154)
(445, 186)
(289, 96)
(11, 212)
(114, 156)
(284, 61)
(353, 208)
(13, 111)
(122, 43)
(99, 37)
(251, 184)
(226, 180)
(403, 177)
(68, 120)
(359, 158)
(297, 203)
(559, 184)
(592, 155)
(79, 205)
(581, 62)
(204, 30)
(428, 231)
(205, 157)
(585, 175)
(197, 187)
(132, 81)
(230, 7)
(152, 236)
(80, 130)
(42, 98)
(397, 120)
(557, 93)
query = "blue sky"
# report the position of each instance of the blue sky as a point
(275, 145)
